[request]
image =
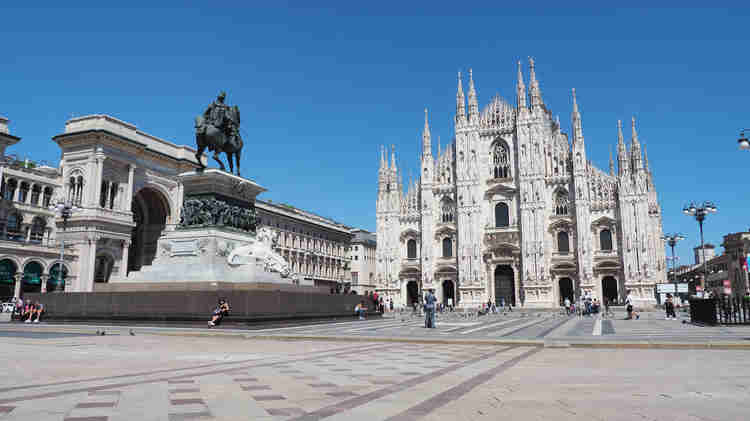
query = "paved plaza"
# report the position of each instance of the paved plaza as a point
(71, 374)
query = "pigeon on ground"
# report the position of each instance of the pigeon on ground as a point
(132, 333)
(103, 333)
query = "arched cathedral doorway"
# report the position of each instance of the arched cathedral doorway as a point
(609, 289)
(449, 293)
(150, 209)
(412, 293)
(505, 288)
(566, 290)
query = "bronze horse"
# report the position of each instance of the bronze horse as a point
(216, 140)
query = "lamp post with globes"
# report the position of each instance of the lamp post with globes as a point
(64, 210)
(672, 240)
(700, 212)
(742, 142)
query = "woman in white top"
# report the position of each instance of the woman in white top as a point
(629, 308)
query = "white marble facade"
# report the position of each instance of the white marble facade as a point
(513, 211)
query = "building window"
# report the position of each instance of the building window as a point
(355, 276)
(112, 194)
(446, 214)
(47, 197)
(502, 219)
(38, 226)
(14, 223)
(23, 192)
(561, 203)
(36, 191)
(563, 243)
(411, 249)
(447, 247)
(605, 240)
(9, 189)
(500, 161)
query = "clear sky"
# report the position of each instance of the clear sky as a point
(321, 88)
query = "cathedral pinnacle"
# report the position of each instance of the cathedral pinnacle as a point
(534, 92)
(473, 103)
(426, 139)
(611, 163)
(622, 153)
(520, 89)
(460, 104)
(393, 159)
(576, 117)
(635, 149)
(383, 161)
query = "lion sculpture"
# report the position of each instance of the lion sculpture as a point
(261, 252)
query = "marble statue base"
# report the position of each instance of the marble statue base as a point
(201, 255)
(216, 240)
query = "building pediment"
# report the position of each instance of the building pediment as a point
(444, 230)
(604, 221)
(560, 224)
(445, 268)
(409, 233)
(501, 189)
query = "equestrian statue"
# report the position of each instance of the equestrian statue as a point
(218, 129)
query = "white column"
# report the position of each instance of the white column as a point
(129, 190)
(29, 194)
(17, 287)
(124, 263)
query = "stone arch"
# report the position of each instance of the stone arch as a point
(151, 211)
(8, 270)
(13, 259)
(33, 269)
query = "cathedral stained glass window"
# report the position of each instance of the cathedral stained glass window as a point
(500, 161)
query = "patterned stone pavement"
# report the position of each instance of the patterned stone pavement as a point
(156, 377)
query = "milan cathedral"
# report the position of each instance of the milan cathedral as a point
(512, 212)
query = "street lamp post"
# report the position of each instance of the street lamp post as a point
(672, 240)
(700, 213)
(742, 142)
(65, 210)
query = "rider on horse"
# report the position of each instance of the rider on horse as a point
(218, 115)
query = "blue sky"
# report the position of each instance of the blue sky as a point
(321, 88)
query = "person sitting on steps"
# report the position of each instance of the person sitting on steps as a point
(221, 311)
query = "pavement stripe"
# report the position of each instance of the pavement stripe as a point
(504, 322)
(456, 392)
(151, 372)
(326, 354)
(377, 394)
(597, 327)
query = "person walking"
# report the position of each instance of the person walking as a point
(629, 307)
(429, 310)
(669, 308)
(567, 306)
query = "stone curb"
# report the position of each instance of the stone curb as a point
(548, 343)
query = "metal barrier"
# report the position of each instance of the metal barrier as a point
(723, 310)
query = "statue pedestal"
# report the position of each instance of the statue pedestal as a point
(216, 240)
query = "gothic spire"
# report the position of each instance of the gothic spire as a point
(383, 161)
(576, 117)
(473, 104)
(460, 103)
(534, 92)
(635, 149)
(393, 159)
(520, 89)
(645, 158)
(622, 153)
(611, 163)
(426, 140)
